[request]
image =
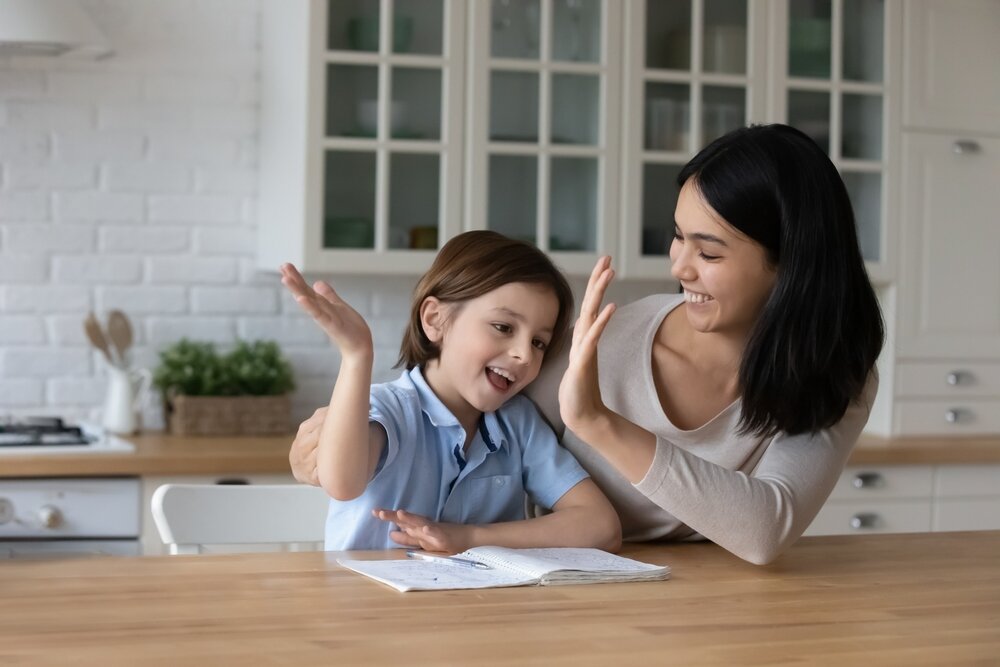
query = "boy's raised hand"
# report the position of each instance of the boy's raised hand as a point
(344, 325)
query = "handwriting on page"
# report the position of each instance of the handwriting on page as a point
(546, 560)
(426, 575)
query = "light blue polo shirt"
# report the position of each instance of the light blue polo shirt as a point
(424, 471)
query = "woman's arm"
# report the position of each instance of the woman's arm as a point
(348, 446)
(583, 517)
(755, 514)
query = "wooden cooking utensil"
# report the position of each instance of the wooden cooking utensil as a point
(120, 333)
(96, 336)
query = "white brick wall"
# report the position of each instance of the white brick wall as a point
(130, 183)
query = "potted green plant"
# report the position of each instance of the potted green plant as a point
(243, 392)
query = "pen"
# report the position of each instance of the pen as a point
(448, 560)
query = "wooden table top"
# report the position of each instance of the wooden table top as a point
(162, 454)
(919, 599)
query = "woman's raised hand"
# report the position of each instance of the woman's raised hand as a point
(579, 392)
(344, 325)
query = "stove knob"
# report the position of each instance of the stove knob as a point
(50, 516)
(6, 511)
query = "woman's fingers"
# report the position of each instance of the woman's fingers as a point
(593, 334)
(600, 278)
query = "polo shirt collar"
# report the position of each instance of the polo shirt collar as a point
(440, 415)
(436, 411)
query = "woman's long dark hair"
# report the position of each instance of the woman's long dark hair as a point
(817, 338)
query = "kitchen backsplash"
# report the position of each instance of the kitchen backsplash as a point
(130, 183)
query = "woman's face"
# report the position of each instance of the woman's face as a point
(725, 274)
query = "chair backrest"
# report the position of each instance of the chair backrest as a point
(189, 516)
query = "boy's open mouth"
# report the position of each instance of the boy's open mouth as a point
(499, 378)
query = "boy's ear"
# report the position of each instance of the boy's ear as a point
(433, 315)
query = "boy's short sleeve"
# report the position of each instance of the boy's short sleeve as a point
(549, 470)
(387, 410)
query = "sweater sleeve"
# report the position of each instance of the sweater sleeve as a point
(757, 515)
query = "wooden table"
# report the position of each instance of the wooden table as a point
(921, 599)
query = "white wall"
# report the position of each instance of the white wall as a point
(130, 183)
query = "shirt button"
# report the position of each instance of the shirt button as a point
(499, 481)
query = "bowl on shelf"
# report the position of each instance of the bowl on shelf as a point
(348, 232)
(363, 33)
(368, 117)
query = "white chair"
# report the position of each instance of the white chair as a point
(189, 516)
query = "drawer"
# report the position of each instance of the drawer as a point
(859, 483)
(964, 481)
(962, 416)
(946, 379)
(840, 517)
(967, 514)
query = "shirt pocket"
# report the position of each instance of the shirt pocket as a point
(493, 498)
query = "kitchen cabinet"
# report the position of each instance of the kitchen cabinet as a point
(543, 125)
(695, 70)
(952, 78)
(389, 126)
(361, 133)
(967, 498)
(947, 376)
(369, 138)
(911, 498)
(150, 538)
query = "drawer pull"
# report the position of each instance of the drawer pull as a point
(954, 378)
(867, 480)
(864, 520)
(964, 146)
(952, 416)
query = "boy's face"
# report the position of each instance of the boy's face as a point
(491, 346)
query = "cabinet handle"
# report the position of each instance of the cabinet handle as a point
(867, 480)
(952, 416)
(965, 146)
(863, 520)
(954, 378)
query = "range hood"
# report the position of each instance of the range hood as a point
(55, 28)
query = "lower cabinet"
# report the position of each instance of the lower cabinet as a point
(911, 498)
(150, 538)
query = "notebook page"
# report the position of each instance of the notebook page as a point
(539, 562)
(419, 575)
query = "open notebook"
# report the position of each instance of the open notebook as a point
(509, 567)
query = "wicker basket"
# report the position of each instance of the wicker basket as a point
(228, 415)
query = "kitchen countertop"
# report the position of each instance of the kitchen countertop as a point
(913, 599)
(162, 454)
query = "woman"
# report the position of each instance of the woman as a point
(727, 412)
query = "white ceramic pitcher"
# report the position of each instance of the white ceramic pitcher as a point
(126, 390)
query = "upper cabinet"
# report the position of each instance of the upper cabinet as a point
(361, 133)
(837, 82)
(694, 70)
(952, 67)
(388, 126)
(543, 133)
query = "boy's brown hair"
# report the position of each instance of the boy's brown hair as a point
(469, 266)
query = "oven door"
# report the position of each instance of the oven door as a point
(68, 548)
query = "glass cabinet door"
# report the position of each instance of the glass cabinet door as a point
(835, 91)
(543, 102)
(391, 82)
(691, 76)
